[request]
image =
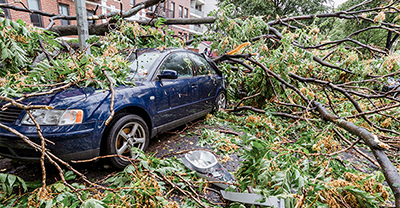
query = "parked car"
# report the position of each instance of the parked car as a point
(172, 87)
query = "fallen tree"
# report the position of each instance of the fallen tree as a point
(280, 68)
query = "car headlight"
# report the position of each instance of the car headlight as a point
(54, 117)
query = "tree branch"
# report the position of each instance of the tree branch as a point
(390, 172)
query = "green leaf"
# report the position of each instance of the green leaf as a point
(159, 22)
(60, 187)
(69, 175)
(11, 179)
(93, 203)
(3, 177)
(23, 184)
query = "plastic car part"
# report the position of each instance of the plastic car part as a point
(129, 131)
(255, 199)
(201, 160)
(54, 117)
(206, 166)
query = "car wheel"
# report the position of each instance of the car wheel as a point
(220, 102)
(129, 131)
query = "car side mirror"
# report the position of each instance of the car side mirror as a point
(168, 74)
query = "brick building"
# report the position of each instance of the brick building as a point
(168, 9)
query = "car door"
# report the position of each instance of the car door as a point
(174, 97)
(206, 80)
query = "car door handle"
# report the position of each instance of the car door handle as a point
(194, 86)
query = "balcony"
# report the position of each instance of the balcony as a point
(198, 2)
(197, 28)
(196, 13)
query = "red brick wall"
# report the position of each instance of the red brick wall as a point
(52, 6)
(20, 15)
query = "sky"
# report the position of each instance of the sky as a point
(338, 2)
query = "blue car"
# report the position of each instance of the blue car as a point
(172, 87)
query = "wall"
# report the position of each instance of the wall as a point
(52, 6)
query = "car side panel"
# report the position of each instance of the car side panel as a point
(174, 99)
(207, 90)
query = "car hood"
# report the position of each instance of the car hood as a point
(69, 98)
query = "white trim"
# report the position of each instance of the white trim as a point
(104, 9)
(189, 30)
(194, 15)
(178, 27)
(96, 4)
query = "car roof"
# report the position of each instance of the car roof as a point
(166, 50)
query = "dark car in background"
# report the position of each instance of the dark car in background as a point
(172, 87)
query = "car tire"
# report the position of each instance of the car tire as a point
(220, 102)
(128, 131)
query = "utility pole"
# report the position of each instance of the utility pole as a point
(83, 26)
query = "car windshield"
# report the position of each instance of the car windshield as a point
(141, 64)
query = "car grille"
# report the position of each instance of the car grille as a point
(9, 115)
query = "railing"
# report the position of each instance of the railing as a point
(196, 28)
(196, 12)
(201, 2)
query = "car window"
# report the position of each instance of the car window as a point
(201, 66)
(179, 62)
(140, 66)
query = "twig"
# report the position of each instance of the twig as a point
(102, 157)
(246, 98)
(112, 112)
(186, 127)
(188, 183)
(187, 194)
(228, 132)
(42, 157)
(356, 149)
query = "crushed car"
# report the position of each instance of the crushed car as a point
(172, 87)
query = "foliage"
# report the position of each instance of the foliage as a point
(296, 158)
(21, 46)
(376, 37)
(137, 185)
(274, 8)
(272, 163)
(276, 164)
(292, 158)
(9, 182)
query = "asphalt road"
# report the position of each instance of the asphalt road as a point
(163, 145)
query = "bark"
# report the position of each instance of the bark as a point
(67, 30)
(181, 21)
(72, 29)
(23, 9)
(390, 41)
(101, 29)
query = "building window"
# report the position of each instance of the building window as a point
(5, 13)
(36, 19)
(91, 13)
(150, 8)
(180, 12)
(198, 7)
(132, 2)
(172, 9)
(64, 10)
(186, 13)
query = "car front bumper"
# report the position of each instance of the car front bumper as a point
(70, 143)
